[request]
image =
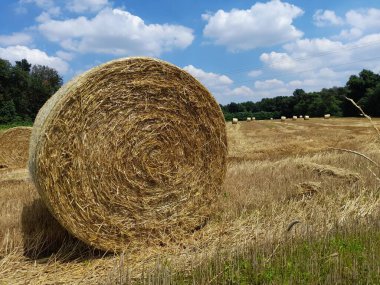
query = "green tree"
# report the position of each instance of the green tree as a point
(44, 82)
(7, 111)
(372, 101)
(357, 87)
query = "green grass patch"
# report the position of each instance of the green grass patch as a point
(344, 257)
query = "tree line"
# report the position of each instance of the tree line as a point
(363, 88)
(24, 89)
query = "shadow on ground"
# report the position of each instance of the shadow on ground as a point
(44, 238)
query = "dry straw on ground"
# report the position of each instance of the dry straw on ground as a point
(130, 153)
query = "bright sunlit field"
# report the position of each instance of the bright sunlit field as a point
(300, 205)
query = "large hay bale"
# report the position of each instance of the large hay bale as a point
(130, 153)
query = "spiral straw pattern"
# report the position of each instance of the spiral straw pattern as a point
(130, 153)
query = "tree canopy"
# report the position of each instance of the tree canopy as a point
(24, 89)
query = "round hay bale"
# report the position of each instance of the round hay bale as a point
(271, 119)
(327, 116)
(235, 120)
(14, 145)
(131, 153)
(253, 118)
(294, 118)
(300, 116)
(306, 118)
(249, 119)
(283, 118)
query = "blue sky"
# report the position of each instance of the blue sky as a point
(241, 50)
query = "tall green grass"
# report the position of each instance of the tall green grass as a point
(346, 256)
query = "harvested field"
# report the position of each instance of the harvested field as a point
(278, 173)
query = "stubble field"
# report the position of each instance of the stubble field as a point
(289, 185)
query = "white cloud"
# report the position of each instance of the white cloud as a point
(49, 6)
(116, 32)
(314, 54)
(364, 19)
(210, 79)
(349, 34)
(357, 23)
(276, 60)
(15, 39)
(269, 84)
(65, 55)
(221, 86)
(313, 64)
(80, 6)
(34, 56)
(242, 91)
(264, 24)
(255, 73)
(324, 18)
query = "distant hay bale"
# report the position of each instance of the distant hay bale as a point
(327, 116)
(129, 154)
(14, 147)
(235, 120)
(271, 119)
(249, 119)
(294, 118)
(253, 118)
(283, 118)
(300, 116)
(306, 118)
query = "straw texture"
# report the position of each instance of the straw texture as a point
(130, 153)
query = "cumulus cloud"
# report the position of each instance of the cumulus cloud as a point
(270, 83)
(49, 6)
(278, 60)
(324, 18)
(364, 19)
(34, 56)
(116, 32)
(255, 73)
(210, 79)
(65, 55)
(221, 86)
(15, 39)
(264, 24)
(305, 54)
(80, 6)
(356, 23)
(313, 64)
